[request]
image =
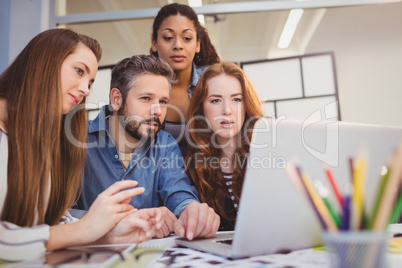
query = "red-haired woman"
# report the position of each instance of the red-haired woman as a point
(222, 114)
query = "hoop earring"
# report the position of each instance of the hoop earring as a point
(197, 56)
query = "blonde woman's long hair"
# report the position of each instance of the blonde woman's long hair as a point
(38, 149)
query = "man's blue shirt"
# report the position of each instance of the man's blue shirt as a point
(156, 165)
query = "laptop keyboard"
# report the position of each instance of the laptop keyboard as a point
(225, 241)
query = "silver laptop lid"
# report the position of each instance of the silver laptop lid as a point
(273, 215)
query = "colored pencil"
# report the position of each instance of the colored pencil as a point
(380, 194)
(390, 192)
(323, 192)
(322, 209)
(291, 172)
(335, 189)
(353, 215)
(351, 169)
(357, 198)
(346, 212)
(397, 212)
(310, 199)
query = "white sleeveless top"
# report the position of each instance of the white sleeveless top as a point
(17, 243)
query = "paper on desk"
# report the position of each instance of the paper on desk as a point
(395, 245)
(180, 257)
(163, 242)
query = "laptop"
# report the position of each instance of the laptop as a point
(273, 215)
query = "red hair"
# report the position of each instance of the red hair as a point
(208, 180)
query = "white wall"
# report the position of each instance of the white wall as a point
(5, 7)
(368, 57)
(20, 21)
(368, 54)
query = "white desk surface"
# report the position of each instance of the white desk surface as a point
(165, 253)
(180, 257)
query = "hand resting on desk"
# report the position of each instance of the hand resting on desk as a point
(197, 220)
(139, 226)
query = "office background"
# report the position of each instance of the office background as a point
(363, 37)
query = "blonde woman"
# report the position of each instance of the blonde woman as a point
(40, 169)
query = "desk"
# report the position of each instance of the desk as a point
(160, 253)
(181, 257)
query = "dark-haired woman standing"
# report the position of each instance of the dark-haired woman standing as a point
(180, 39)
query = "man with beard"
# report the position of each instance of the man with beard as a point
(125, 143)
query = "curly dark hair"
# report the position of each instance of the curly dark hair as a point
(207, 54)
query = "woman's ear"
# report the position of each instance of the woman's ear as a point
(198, 48)
(116, 99)
(153, 47)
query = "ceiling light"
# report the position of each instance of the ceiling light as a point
(290, 27)
(201, 19)
(195, 3)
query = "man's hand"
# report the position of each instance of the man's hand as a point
(197, 220)
(168, 220)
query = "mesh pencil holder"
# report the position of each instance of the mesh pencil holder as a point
(356, 249)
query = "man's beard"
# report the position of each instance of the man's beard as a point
(134, 127)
